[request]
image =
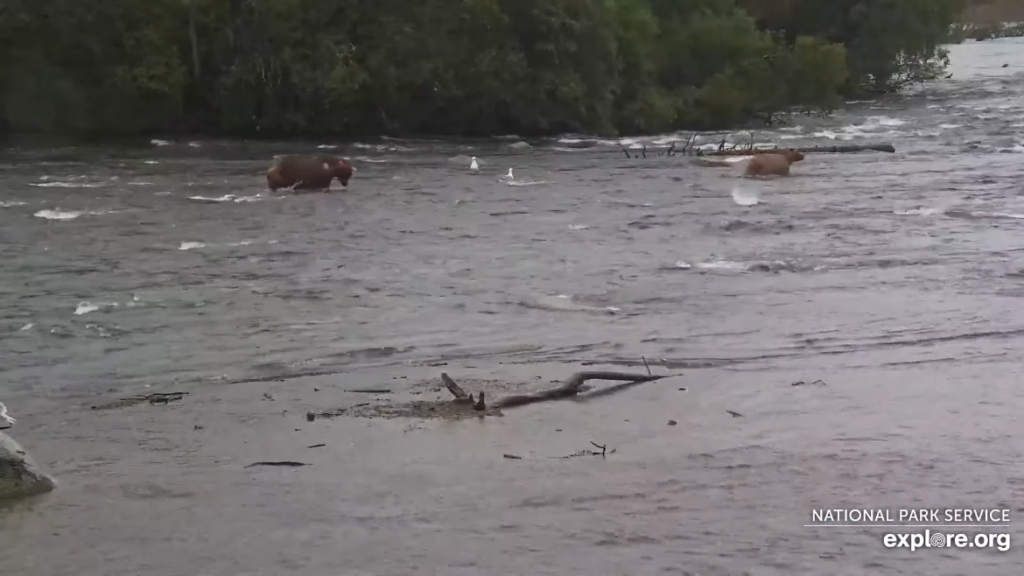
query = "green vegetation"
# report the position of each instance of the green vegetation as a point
(469, 67)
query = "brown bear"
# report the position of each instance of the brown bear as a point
(776, 162)
(773, 163)
(308, 172)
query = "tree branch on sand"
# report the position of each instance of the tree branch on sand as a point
(571, 387)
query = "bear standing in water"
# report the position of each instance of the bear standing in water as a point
(773, 163)
(308, 172)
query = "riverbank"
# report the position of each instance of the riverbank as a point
(981, 32)
(992, 12)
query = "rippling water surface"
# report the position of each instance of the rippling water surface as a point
(895, 278)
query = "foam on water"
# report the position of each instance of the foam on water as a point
(88, 307)
(745, 197)
(67, 184)
(383, 147)
(58, 214)
(225, 198)
(528, 182)
(920, 212)
(185, 246)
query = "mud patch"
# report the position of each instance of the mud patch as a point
(151, 491)
(421, 409)
(443, 407)
(472, 385)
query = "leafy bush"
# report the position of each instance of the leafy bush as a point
(468, 67)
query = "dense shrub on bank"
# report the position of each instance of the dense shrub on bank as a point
(468, 67)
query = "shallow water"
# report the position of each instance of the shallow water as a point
(893, 278)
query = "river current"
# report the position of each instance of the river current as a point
(896, 279)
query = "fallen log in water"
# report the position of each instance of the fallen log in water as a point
(689, 148)
(571, 387)
(885, 147)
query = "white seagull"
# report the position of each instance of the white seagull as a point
(507, 177)
(473, 166)
(5, 420)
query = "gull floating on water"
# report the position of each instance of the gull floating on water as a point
(507, 177)
(5, 420)
(474, 166)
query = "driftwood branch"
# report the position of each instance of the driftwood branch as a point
(885, 147)
(164, 397)
(570, 387)
(454, 388)
(289, 463)
(671, 151)
(815, 383)
(643, 152)
(604, 452)
(689, 148)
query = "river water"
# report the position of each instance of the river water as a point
(894, 278)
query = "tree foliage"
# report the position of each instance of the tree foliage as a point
(467, 67)
(889, 43)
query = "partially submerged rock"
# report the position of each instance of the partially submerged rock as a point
(20, 476)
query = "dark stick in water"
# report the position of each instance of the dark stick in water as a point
(570, 387)
(278, 463)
